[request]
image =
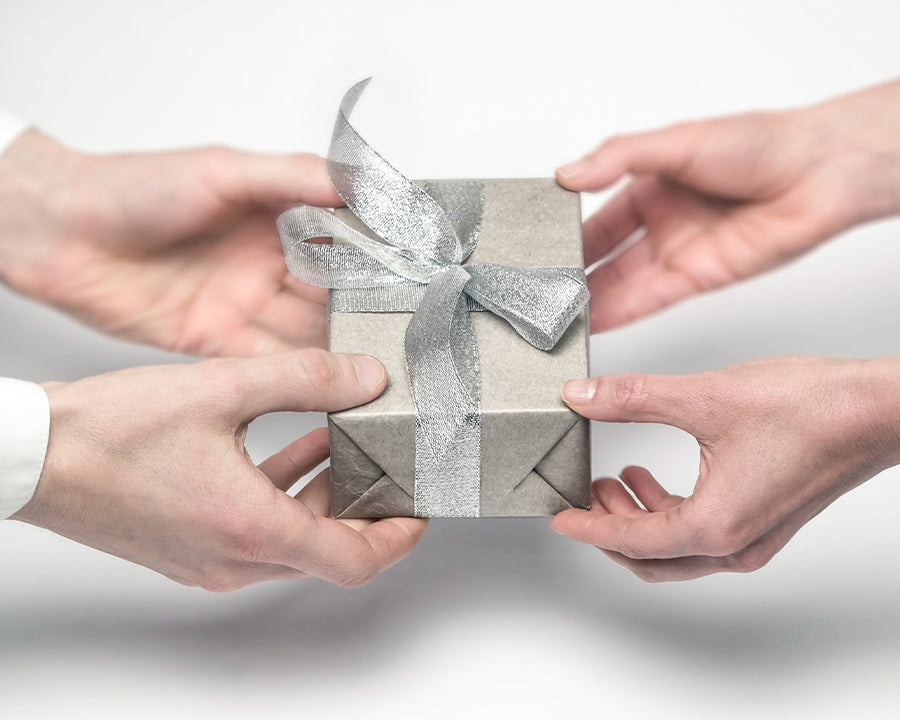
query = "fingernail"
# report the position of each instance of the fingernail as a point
(369, 371)
(573, 170)
(579, 392)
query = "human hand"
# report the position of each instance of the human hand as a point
(717, 201)
(176, 249)
(149, 464)
(780, 440)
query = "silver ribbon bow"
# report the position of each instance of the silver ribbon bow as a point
(428, 235)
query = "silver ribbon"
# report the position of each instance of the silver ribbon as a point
(428, 235)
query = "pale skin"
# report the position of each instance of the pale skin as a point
(179, 250)
(707, 204)
(159, 247)
(149, 464)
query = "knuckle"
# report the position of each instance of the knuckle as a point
(352, 578)
(355, 573)
(751, 559)
(219, 162)
(728, 538)
(246, 543)
(719, 529)
(241, 535)
(631, 391)
(612, 144)
(217, 155)
(211, 579)
(628, 548)
(309, 160)
(220, 582)
(219, 382)
(648, 573)
(317, 368)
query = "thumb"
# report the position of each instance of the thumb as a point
(668, 151)
(303, 381)
(668, 399)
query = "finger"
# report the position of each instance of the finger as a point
(651, 494)
(305, 290)
(655, 571)
(248, 341)
(288, 465)
(611, 225)
(250, 573)
(677, 400)
(615, 498)
(750, 558)
(394, 538)
(676, 256)
(596, 507)
(297, 321)
(634, 285)
(222, 574)
(316, 494)
(682, 568)
(669, 151)
(334, 551)
(653, 535)
(664, 265)
(244, 178)
(299, 381)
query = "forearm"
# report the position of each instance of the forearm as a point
(880, 409)
(859, 140)
(11, 129)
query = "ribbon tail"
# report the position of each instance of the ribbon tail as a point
(442, 361)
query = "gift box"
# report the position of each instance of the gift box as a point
(535, 452)
(472, 294)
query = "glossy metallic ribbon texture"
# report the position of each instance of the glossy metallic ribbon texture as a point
(428, 235)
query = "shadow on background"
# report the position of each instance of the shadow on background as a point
(462, 570)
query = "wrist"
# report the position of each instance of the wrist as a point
(25, 417)
(39, 207)
(860, 145)
(41, 510)
(878, 393)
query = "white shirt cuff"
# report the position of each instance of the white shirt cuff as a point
(10, 129)
(24, 430)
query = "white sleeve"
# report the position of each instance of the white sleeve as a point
(24, 429)
(24, 409)
(10, 128)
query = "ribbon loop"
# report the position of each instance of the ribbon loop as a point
(362, 262)
(540, 303)
(387, 201)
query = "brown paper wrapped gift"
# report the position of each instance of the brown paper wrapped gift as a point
(535, 451)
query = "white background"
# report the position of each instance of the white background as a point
(487, 618)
